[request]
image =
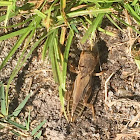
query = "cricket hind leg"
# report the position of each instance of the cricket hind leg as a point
(90, 105)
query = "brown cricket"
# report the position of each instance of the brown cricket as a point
(77, 99)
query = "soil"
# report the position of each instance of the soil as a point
(114, 113)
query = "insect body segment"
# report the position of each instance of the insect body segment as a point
(77, 99)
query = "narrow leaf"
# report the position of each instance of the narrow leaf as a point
(138, 63)
(66, 53)
(134, 2)
(19, 65)
(21, 105)
(52, 56)
(38, 127)
(87, 12)
(16, 33)
(113, 22)
(92, 27)
(6, 3)
(64, 65)
(13, 50)
(45, 48)
(16, 133)
(123, 22)
(38, 134)
(10, 9)
(16, 124)
(28, 121)
(106, 32)
(2, 98)
(43, 16)
(132, 12)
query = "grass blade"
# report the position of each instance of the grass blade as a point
(2, 98)
(92, 27)
(137, 61)
(16, 33)
(62, 10)
(46, 46)
(16, 25)
(20, 106)
(16, 124)
(86, 12)
(40, 14)
(52, 56)
(28, 121)
(134, 2)
(57, 60)
(113, 22)
(102, 1)
(38, 134)
(11, 8)
(13, 50)
(6, 3)
(38, 127)
(62, 36)
(15, 133)
(106, 32)
(73, 26)
(132, 12)
(66, 54)
(122, 21)
(18, 67)
(64, 65)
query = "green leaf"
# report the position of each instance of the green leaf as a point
(66, 54)
(28, 121)
(113, 22)
(101, 1)
(96, 22)
(137, 9)
(38, 134)
(64, 65)
(16, 33)
(19, 65)
(134, 2)
(57, 60)
(45, 47)
(2, 98)
(123, 22)
(106, 32)
(13, 50)
(52, 56)
(73, 26)
(138, 63)
(38, 127)
(132, 12)
(2, 18)
(11, 8)
(87, 12)
(16, 133)
(40, 14)
(6, 3)
(20, 106)
(16, 124)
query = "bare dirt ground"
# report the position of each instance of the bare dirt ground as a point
(115, 116)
